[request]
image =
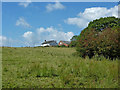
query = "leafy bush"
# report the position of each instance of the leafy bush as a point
(73, 41)
(101, 37)
(63, 46)
(73, 44)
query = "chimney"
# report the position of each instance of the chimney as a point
(45, 40)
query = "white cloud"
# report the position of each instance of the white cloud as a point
(56, 6)
(52, 33)
(25, 4)
(28, 34)
(3, 40)
(119, 11)
(41, 34)
(83, 18)
(30, 38)
(80, 22)
(21, 22)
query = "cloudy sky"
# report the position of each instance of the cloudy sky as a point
(30, 23)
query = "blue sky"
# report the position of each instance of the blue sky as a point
(29, 24)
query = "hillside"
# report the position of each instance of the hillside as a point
(53, 67)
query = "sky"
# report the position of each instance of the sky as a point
(30, 23)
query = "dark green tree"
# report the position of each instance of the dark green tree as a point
(101, 37)
(73, 41)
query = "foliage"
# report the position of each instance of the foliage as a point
(74, 38)
(73, 41)
(62, 46)
(101, 37)
(102, 23)
(53, 67)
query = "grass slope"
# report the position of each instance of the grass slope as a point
(53, 67)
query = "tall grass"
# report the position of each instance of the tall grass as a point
(0, 68)
(53, 67)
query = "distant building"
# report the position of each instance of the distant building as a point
(49, 43)
(65, 43)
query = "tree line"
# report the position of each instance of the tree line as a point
(101, 37)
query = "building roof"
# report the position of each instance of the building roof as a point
(67, 42)
(46, 42)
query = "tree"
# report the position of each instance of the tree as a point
(73, 41)
(101, 37)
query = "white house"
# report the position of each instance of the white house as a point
(49, 43)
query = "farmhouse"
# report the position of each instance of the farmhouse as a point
(49, 43)
(65, 43)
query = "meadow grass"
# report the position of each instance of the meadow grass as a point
(53, 67)
(0, 67)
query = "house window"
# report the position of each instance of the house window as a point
(60, 42)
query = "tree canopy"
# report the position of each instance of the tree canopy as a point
(101, 37)
(73, 41)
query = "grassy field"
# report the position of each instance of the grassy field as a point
(53, 67)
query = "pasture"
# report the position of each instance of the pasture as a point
(55, 67)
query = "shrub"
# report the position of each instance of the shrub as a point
(100, 37)
(73, 41)
(64, 46)
(73, 44)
